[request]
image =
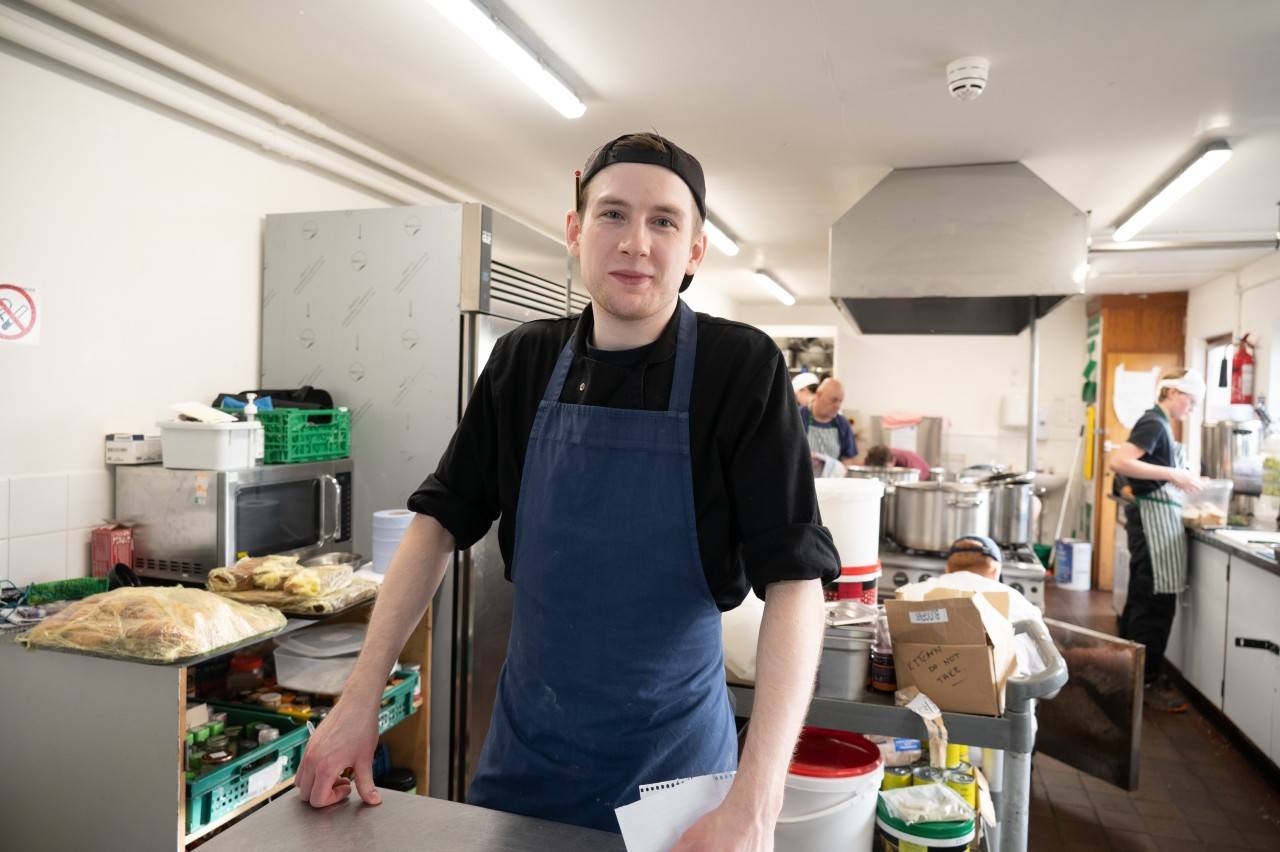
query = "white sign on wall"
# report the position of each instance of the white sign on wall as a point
(19, 316)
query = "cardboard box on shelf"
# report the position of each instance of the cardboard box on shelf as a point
(130, 448)
(954, 646)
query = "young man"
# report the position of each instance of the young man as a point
(827, 430)
(632, 511)
(1152, 462)
(885, 456)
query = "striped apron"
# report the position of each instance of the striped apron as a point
(1161, 512)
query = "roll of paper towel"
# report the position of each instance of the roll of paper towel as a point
(389, 526)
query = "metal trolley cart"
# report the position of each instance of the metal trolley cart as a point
(1014, 733)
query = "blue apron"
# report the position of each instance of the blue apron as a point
(615, 669)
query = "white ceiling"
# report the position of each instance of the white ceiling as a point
(795, 109)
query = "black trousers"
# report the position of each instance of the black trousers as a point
(1147, 616)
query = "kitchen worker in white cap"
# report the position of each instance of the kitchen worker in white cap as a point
(1152, 462)
(805, 385)
(648, 469)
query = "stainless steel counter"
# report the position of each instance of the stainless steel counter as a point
(403, 821)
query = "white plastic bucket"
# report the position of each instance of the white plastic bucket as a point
(851, 511)
(835, 813)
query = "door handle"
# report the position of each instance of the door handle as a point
(330, 481)
(1264, 644)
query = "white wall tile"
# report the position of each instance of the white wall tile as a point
(4, 557)
(78, 543)
(38, 558)
(37, 505)
(4, 507)
(88, 498)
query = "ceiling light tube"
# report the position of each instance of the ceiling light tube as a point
(719, 238)
(485, 30)
(1206, 163)
(774, 287)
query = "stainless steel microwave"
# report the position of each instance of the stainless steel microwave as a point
(188, 522)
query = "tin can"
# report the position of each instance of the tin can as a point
(964, 784)
(926, 775)
(218, 742)
(895, 777)
(267, 735)
(956, 754)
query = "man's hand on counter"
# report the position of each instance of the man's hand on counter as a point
(340, 751)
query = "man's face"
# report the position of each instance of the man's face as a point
(635, 239)
(827, 401)
(804, 396)
(1183, 404)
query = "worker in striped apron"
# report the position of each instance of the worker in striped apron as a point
(1152, 462)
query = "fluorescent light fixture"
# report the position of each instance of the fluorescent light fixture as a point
(1206, 163)
(719, 238)
(774, 287)
(485, 30)
(1080, 274)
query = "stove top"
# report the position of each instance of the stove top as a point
(1021, 571)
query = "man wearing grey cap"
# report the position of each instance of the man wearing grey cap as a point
(632, 511)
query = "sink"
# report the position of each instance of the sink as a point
(1263, 540)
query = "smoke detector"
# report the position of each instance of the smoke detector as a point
(967, 77)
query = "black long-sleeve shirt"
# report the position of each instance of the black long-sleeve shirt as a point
(757, 513)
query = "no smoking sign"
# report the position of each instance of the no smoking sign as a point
(19, 319)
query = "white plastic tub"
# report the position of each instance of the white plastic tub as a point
(851, 511)
(829, 804)
(319, 659)
(210, 446)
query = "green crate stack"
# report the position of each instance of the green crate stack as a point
(211, 796)
(292, 435)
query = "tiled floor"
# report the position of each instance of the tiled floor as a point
(1198, 791)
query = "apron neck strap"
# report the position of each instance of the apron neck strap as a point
(682, 380)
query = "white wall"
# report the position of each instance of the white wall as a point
(1241, 302)
(141, 234)
(962, 378)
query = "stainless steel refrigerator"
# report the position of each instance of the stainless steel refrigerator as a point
(395, 311)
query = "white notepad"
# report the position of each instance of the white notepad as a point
(668, 809)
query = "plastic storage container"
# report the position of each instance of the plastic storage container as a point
(897, 836)
(304, 435)
(1209, 507)
(208, 446)
(856, 583)
(831, 793)
(319, 659)
(851, 511)
(223, 788)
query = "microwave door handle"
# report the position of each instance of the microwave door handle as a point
(336, 529)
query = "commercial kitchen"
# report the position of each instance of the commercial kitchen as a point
(953, 466)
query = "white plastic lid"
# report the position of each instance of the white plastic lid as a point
(193, 426)
(330, 640)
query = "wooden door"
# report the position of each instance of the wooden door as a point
(1114, 433)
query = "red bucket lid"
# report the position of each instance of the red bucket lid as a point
(860, 570)
(828, 753)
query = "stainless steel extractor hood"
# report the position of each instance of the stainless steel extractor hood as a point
(956, 250)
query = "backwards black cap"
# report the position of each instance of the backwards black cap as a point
(674, 158)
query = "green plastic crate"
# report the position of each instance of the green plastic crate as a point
(292, 435)
(211, 796)
(397, 702)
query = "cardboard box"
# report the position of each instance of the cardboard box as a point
(954, 646)
(128, 448)
(110, 544)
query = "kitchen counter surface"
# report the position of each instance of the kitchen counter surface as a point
(1262, 558)
(403, 821)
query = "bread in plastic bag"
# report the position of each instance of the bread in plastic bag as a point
(927, 803)
(357, 590)
(319, 580)
(240, 576)
(153, 623)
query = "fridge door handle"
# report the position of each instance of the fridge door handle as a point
(328, 481)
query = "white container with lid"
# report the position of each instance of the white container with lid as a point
(188, 445)
(319, 659)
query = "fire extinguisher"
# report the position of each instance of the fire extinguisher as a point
(1242, 373)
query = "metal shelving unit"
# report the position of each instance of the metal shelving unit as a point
(1014, 733)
